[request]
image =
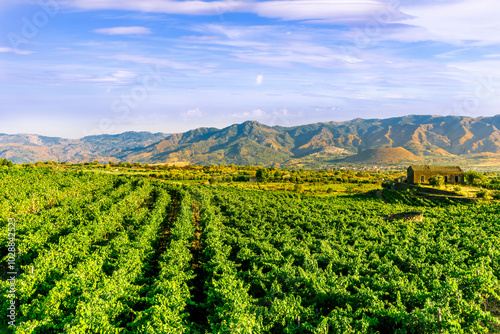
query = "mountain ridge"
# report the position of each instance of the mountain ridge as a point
(251, 142)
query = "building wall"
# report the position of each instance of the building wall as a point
(416, 177)
(410, 175)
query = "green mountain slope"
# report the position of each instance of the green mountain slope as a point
(255, 143)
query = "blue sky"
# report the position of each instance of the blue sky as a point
(72, 68)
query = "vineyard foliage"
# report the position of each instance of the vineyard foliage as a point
(101, 253)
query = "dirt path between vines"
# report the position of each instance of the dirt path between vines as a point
(197, 310)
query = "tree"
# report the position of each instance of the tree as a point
(5, 162)
(263, 174)
(473, 177)
(436, 181)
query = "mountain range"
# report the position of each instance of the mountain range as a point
(258, 144)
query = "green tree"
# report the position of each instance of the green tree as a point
(473, 177)
(263, 174)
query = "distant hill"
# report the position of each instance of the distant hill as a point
(25, 148)
(259, 144)
(392, 155)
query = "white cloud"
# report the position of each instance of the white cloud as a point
(200, 38)
(277, 47)
(450, 54)
(192, 113)
(124, 75)
(123, 31)
(17, 51)
(259, 114)
(254, 114)
(259, 79)
(484, 68)
(331, 11)
(283, 58)
(327, 109)
(190, 7)
(119, 77)
(151, 61)
(394, 96)
(460, 23)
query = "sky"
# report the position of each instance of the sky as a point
(72, 68)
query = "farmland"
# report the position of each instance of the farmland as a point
(110, 253)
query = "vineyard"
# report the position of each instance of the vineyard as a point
(105, 253)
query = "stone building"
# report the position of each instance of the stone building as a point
(400, 179)
(422, 174)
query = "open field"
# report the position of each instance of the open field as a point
(100, 252)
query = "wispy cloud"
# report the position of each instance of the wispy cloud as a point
(325, 11)
(328, 11)
(276, 46)
(200, 38)
(152, 61)
(259, 114)
(466, 22)
(17, 51)
(123, 31)
(191, 7)
(450, 54)
(483, 68)
(120, 77)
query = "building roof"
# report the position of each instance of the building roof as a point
(436, 169)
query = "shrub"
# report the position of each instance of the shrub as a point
(496, 194)
(386, 185)
(473, 176)
(298, 188)
(477, 182)
(436, 181)
(482, 194)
